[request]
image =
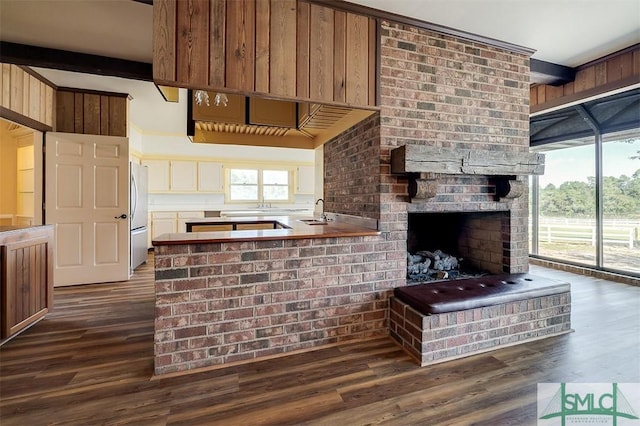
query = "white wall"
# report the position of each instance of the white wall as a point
(181, 146)
(135, 141)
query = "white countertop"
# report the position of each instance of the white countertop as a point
(249, 211)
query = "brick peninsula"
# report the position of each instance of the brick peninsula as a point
(234, 295)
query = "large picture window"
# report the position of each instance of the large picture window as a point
(585, 209)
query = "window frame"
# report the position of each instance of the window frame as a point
(599, 140)
(260, 185)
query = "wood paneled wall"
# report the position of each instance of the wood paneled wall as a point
(22, 92)
(94, 113)
(27, 279)
(284, 48)
(613, 72)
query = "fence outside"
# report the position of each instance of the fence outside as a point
(626, 232)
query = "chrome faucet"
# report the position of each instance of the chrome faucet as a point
(262, 204)
(323, 216)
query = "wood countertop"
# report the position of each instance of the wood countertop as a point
(11, 228)
(292, 228)
(13, 234)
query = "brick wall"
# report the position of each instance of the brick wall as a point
(225, 302)
(220, 303)
(483, 240)
(352, 164)
(352, 185)
(450, 92)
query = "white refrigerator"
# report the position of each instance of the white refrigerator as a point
(138, 216)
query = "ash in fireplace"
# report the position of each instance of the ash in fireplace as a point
(429, 266)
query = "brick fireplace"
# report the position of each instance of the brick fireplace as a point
(450, 96)
(443, 92)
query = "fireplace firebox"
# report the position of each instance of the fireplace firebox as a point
(457, 244)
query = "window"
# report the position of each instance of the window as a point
(566, 221)
(259, 185)
(275, 185)
(585, 209)
(621, 203)
(243, 185)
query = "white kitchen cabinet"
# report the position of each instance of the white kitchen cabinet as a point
(210, 176)
(173, 175)
(158, 175)
(305, 180)
(184, 217)
(163, 223)
(184, 176)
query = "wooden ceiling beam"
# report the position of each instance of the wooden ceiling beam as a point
(44, 57)
(543, 72)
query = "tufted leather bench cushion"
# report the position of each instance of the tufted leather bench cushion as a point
(458, 295)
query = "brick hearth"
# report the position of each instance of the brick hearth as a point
(441, 337)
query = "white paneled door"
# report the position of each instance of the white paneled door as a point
(87, 199)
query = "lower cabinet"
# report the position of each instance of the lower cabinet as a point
(170, 222)
(163, 223)
(254, 226)
(184, 217)
(26, 258)
(211, 228)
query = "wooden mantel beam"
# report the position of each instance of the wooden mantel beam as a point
(427, 159)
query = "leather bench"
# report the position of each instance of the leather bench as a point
(470, 293)
(445, 320)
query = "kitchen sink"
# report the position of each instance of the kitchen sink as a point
(314, 221)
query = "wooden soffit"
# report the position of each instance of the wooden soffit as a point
(286, 49)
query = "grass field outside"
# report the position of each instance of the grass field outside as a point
(574, 240)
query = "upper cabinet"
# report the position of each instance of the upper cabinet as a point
(305, 180)
(288, 49)
(270, 112)
(210, 176)
(234, 113)
(92, 112)
(159, 175)
(184, 176)
(25, 93)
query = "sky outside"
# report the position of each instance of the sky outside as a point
(577, 163)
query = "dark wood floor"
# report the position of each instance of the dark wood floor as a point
(90, 363)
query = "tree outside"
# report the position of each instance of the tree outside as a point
(567, 207)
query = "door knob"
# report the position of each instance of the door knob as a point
(122, 216)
